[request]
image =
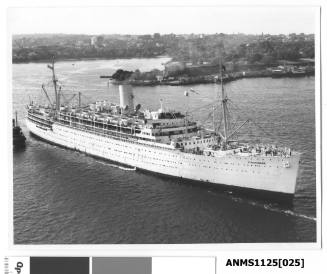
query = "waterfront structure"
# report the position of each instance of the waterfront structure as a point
(165, 142)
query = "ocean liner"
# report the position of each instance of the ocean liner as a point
(162, 141)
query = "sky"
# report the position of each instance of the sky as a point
(148, 20)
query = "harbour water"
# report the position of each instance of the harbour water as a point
(65, 197)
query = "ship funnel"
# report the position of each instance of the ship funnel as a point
(126, 97)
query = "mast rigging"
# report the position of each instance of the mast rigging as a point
(55, 80)
(224, 103)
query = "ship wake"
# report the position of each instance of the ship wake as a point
(275, 208)
(118, 166)
(291, 213)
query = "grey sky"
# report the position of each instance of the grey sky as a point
(141, 20)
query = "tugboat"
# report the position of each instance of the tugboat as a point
(18, 136)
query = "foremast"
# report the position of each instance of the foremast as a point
(224, 104)
(228, 131)
(55, 85)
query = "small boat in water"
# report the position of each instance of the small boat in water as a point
(18, 135)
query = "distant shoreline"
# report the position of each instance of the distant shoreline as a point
(89, 59)
(203, 78)
(233, 77)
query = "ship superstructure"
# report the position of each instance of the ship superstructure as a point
(163, 141)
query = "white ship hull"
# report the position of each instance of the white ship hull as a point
(268, 173)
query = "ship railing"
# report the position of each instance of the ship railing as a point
(39, 122)
(39, 119)
(128, 131)
(119, 123)
(98, 117)
(119, 136)
(192, 151)
(265, 153)
(248, 150)
(181, 125)
(38, 115)
(101, 124)
(270, 150)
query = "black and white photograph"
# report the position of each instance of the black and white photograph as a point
(165, 125)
